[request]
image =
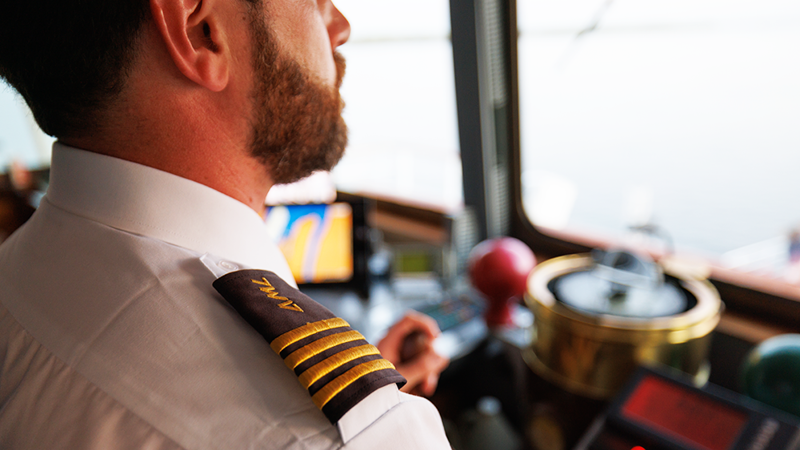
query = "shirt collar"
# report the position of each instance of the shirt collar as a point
(157, 204)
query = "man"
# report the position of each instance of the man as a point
(174, 118)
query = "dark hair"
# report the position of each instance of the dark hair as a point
(69, 58)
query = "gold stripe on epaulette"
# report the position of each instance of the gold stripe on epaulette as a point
(319, 370)
(290, 337)
(330, 390)
(320, 345)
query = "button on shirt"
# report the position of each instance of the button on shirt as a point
(112, 336)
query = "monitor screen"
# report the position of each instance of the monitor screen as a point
(684, 415)
(316, 239)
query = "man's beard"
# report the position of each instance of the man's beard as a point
(298, 127)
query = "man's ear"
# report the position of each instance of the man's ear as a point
(191, 31)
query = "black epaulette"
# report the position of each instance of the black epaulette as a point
(337, 366)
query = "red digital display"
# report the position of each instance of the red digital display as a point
(683, 415)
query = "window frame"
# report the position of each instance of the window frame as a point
(760, 302)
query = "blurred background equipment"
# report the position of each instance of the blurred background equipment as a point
(598, 317)
(20, 192)
(660, 410)
(771, 373)
(499, 269)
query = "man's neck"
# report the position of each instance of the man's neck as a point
(212, 163)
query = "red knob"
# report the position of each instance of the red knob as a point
(499, 269)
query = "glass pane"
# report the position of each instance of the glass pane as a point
(400, 103)
(679, 114)
(21, 140)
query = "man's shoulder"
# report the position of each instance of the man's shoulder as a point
(153, 335)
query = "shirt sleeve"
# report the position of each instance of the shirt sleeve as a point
(413, 423)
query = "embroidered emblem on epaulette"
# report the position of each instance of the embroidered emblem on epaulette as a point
(337, 366)
(272, 293)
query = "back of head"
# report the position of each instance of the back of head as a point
(69, 58)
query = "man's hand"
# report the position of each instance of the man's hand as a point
(414, 333)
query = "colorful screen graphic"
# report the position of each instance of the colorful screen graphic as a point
(317, 240)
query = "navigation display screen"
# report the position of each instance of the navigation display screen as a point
(317, 240)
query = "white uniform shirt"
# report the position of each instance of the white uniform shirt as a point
(112, 336)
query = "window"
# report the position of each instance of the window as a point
(21, 140)
(400, 103)
(677, 114)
